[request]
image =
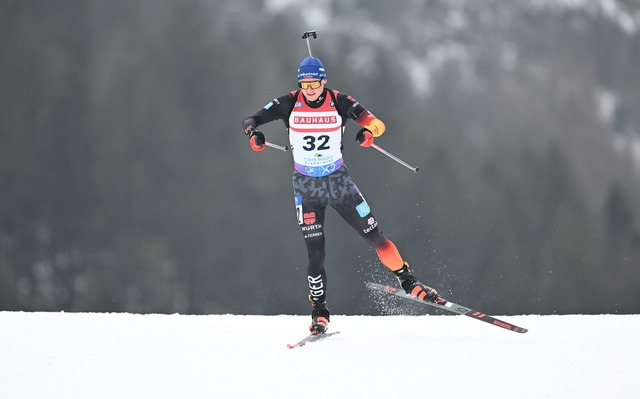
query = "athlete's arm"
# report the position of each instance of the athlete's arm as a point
(353, 110)
(278, 108)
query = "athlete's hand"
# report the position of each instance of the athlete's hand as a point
(364, 137)
(256, 140)
(248, 125)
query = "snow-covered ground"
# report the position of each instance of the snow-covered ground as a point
(94, 355)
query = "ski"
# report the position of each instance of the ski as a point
(312, 338)
(448, 306)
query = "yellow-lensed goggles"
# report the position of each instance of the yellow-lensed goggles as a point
(314, 84)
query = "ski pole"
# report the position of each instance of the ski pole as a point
(307, 35)
(398, 160)
(276, 146)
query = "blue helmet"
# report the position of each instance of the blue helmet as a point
(311, 67)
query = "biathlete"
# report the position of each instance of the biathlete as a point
(315, 117)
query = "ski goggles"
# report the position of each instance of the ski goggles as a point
(314, 84)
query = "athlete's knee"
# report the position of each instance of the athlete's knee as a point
(315, 252)
(316, 255)
(376, 239)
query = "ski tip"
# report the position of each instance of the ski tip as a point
(297, 345)
(312, 338)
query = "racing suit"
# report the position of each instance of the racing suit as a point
(320, 177)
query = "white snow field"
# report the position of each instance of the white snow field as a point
(120, 355)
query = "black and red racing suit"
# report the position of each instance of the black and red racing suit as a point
(320, 177)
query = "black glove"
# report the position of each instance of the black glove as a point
(248, 126)
(256, 140)
(364, 137)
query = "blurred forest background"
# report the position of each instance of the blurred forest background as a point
(126, 183)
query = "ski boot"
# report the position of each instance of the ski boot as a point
(413, 287)
(319, 318)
